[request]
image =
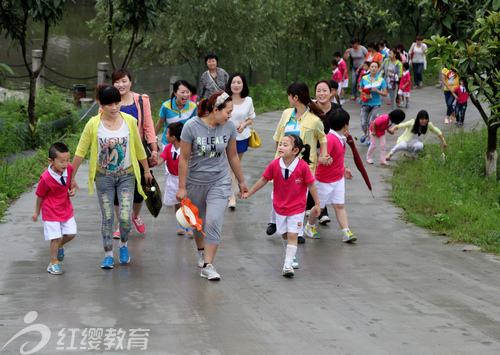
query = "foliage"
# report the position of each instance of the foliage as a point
(366, 19)
(16, 19)
(130, 21)
(5, 68)
(478, 63)
(412, 15)
(450, 195)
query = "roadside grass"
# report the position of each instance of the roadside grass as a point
(450, 195)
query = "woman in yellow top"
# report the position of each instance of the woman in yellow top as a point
(115, 153)
(415, 135)
(304, 120)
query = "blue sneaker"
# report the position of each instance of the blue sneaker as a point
(108, 263)
(124, 255)
(363, 138)
(60, 254)
(54, 269)
(367, 143)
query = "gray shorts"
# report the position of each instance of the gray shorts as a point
(211, 201)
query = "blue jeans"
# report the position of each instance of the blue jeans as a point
(368, 114)
(460, 112)
(107, 186)
(449, 99)
(417, 72)
(354, 82)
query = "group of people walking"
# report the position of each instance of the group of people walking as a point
(202, 146)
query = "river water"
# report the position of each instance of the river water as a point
(73, 52)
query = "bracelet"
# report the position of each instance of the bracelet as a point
(154, 151)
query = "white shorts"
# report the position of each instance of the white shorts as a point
(55, 230)
(290, 224)
(404, 94)
(171, 187)
(331, 193)
(345, 83)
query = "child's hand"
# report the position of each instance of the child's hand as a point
(34, 217)
(391, 130)
(243, 195)
(72, 192)
(316, 210)
(348, 174)
(374, 133)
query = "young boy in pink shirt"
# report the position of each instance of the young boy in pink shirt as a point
(461, 95)
(345, 75)
(330, 180)
(405, 86)
(53, 195)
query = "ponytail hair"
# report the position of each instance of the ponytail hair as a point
(301, 90)
(304, 148)
(206, 106)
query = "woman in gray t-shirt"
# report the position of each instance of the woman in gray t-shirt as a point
(358, 54)
(208, 142)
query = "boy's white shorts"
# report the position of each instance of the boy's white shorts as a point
(171, 187)
(55, 230)
(290, 224)
(331, 192)
(404, 94)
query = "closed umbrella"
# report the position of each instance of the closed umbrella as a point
(359, 162)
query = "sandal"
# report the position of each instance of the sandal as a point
(369, 161)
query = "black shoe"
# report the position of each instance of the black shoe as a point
(301, 240)
(271, 228)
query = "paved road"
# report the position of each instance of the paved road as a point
(398, 290)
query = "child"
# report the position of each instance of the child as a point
(170, 156)
(336, 73)
(334, 89)
(416, 134)
(330, 182)
(292, 177)
(53, 195)
(405, 86)
(461, 95)
(377, 133)
(364, 71)
(345, 74)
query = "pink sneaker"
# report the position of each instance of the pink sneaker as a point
(116, 235)
(139, 224)
(385, 163)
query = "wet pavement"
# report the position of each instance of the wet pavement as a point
(398, 290)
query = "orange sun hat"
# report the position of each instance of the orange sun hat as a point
(187, 215)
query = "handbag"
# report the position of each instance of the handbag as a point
(254, 140)
(153, 193)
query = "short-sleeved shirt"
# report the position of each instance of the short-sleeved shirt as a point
(336, 150)
(337, 75)
(405, 78)
(381, 124)
(462, 94)
(378, 83)
(451, 79)
(208, 161)
(343, 69)
(171, 157)
(240, 114)
(371, 57)
(289, 195)
(293, 125)
(171, 113)
(56, 205)
(358, 58)
(114, 148)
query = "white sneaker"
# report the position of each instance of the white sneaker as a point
(201, 258)
(447, 120)
(295, 263)
(287, 271)
(311, 232)
(349, 237)
(210, 273)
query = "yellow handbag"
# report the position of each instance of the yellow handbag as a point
(254, 140)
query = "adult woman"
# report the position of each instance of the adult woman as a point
(304, 120)
(242, 116)
(392, 70)
(418, 60)
(102, 132)
(208, 142)
(374, 54)
(130, 104)
(450, 81)
(415, 135)
(177, 109)
(402, 52)
(358, 55)
(369, 109)
(214, 79)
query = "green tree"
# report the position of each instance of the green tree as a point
(129, 21)
(16, 18)
(478, 63)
